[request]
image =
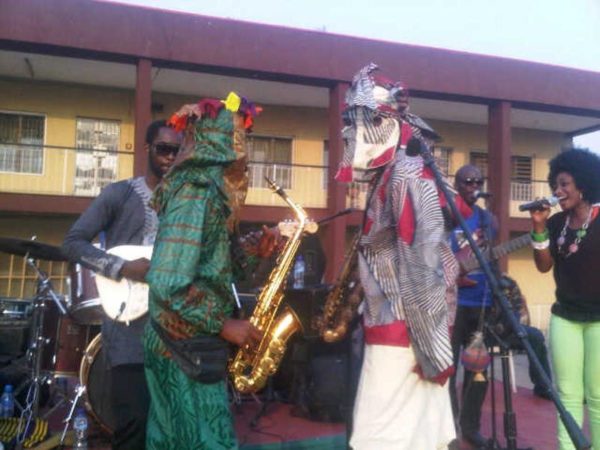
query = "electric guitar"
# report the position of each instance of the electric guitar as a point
(468, 262)
(124, 300)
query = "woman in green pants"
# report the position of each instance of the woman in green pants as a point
(569, 242)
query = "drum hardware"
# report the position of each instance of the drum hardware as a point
(37, 343)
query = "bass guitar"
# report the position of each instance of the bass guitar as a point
(124, 300)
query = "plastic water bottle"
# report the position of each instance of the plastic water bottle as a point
(80, 426)
(299, 273)
(8, 401)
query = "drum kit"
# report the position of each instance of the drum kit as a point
(60, 335)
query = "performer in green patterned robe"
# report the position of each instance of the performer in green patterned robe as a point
(190, 281)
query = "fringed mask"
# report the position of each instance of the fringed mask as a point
(372, 124)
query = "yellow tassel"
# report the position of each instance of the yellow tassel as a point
(232, 102)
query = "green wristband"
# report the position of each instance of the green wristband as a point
(540, 237)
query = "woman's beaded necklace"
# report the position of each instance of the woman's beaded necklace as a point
(579, 235)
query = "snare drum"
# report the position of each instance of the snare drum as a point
(84, 303)
(64, 341)
(93, 376)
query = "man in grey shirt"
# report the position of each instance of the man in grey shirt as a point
(123, 214)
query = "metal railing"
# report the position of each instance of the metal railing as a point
(84, 172)
(61, 170)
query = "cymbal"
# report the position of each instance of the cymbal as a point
(34, 249)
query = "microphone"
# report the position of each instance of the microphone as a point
(540, 204)
(479, 194)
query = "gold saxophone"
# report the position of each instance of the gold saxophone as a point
(252, 365)
(343, 300)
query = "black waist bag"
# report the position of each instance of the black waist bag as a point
(202, 358)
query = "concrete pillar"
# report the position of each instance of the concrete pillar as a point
(142, 114)
(499, 167)
(335, 231)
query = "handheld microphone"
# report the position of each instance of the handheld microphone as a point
(479, 194)
(540, 204)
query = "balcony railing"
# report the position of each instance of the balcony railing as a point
(520, 192)
(306, 184)
(61, 170)
(84, 172)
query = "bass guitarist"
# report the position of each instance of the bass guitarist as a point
(121, 213)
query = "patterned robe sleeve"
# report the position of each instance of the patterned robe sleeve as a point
(188, 303)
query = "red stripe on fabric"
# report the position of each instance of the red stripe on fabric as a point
(440, 378)
(394, 334)
(344, 174)
(427, 173)
(368, 225)
(384, 158)
(443, 200)
(405, 134)
(382, 188)
(406, 223)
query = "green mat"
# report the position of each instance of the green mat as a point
(336, 442)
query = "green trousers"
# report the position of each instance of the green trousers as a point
(575, 350)
(184, 414)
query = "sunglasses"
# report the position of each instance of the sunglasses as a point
(165, 149)
(472, 182)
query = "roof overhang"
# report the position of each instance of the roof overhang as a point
(34, 67)
(126, 33)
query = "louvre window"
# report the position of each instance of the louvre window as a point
(21, 143)
(272, 157)
(521, 174)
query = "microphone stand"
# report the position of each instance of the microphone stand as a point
(575, 433)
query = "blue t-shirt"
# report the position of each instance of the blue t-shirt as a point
(480, 224)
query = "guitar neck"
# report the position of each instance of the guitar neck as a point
(510, 246)
(498, 252)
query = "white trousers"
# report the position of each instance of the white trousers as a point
(397, 410)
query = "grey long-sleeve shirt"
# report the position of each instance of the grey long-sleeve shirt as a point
(120, 212)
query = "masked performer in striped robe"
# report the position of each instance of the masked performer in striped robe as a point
(191, 298)
(407, 271)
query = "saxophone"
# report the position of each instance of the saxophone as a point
(342, 301)
(252, 365)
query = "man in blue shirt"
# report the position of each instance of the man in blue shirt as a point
(474, 302)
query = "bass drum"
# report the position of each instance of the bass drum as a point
(93, 376)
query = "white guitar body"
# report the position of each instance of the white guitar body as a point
(124, 300)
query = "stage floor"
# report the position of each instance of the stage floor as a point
(278, 429)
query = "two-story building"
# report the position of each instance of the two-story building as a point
(80, 81)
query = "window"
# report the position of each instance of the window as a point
(521, 188)
(442, 158)
(479, 159)
(271, 157)
(521, 174)
(21, 143)
(97, 143)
